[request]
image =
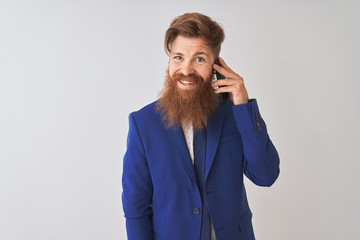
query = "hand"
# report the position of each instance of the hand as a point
(233, 84)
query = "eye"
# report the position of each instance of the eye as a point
(178, 57)
(200, 59)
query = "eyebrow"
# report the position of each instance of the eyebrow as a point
(178, 53)
(201, 53)
(196, 54)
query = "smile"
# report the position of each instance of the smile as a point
(186, 83)
(183, 84)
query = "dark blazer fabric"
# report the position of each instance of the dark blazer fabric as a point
(161, 198)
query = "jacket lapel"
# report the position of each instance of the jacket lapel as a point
(214, 128)
(178, 139)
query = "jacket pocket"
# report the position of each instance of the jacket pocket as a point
(230, 138)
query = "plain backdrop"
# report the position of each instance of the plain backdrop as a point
(72, 71)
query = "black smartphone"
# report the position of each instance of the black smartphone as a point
(223, 97)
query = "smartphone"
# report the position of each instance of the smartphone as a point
(223, 97)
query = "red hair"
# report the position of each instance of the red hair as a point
(195, 25)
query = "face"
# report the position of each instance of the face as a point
(187, 96)
(190, 56)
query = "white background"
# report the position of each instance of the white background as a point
(72, 71)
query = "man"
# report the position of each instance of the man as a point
(187, 152)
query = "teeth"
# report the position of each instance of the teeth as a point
(186, 82)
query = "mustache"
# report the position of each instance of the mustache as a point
(193, 78)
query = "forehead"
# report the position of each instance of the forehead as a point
(190, 46)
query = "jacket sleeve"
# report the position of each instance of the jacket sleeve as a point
(261, 160)
(137, 187)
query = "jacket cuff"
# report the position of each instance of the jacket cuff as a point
(248, 117)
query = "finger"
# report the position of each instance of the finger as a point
(227, 89)
(221, 70)
(228, 81)
(224, 82)
(223, 63)
(225, 72)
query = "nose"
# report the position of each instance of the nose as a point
(187, 68)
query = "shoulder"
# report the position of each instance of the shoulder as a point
(148, 109)
(146, 115)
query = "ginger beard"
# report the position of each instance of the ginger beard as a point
(187, 106)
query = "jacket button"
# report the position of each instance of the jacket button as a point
(258, 124)
(196, 211)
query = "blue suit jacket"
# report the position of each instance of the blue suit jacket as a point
(161, 198)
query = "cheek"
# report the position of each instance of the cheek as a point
(206, 73)
(172, 69)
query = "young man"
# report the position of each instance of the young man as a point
(187, 152)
